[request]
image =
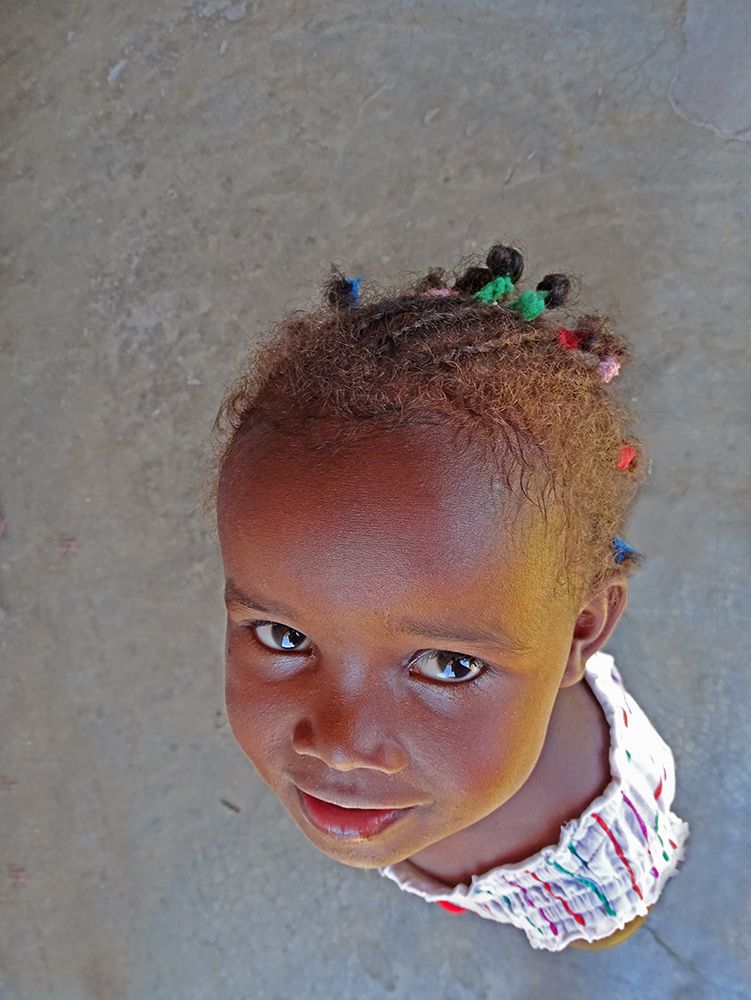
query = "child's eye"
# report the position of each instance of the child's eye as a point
(453, 666)
(279, 633)
(448, 666)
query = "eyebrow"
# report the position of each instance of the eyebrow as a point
(426, 628)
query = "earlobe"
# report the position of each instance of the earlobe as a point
(574, 671)
(594, 625)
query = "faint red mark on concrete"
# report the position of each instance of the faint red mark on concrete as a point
(7, 784)
(2, 525)
(17, 874)
(69, 543)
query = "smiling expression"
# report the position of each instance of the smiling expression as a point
(342, 693)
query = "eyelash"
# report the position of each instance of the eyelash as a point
(250, 626)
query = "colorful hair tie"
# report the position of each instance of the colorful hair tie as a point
(572, 339)
(530, 304)
(626, 456)
(496, 289)
(354, 285)
(608, 368)
(622, 548)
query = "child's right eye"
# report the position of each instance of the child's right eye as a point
(278, 632)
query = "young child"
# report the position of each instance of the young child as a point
(419, 501)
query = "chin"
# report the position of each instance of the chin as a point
(361, 854)
(371, 853)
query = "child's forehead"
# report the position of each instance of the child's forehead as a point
(426, 455)
(417, 483)
(413, 508)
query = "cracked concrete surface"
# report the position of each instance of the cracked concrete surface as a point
(174, 175)
(712, 85)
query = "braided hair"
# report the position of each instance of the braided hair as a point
(471, 351)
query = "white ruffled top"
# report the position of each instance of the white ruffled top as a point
(609, 865)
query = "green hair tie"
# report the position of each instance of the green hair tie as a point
(495, 289)
(530, 304)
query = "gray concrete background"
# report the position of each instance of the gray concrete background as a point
(174, 174)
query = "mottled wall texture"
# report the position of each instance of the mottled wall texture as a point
(174, 174)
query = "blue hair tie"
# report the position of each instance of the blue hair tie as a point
(622, 548)
(354, 284)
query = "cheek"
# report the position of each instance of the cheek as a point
(254, 712)
(488, 759)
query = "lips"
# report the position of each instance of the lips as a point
(345, 801)
(353, 823)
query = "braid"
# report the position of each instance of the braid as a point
(396, 307)
(433, 279)
(426, 319)
(497, 344)
(473, 280)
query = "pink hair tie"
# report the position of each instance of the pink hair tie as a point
(440, 291)
(608, 368)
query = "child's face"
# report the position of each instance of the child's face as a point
(341, 552)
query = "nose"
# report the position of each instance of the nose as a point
(347, 732)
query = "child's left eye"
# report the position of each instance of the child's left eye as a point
(453, 667)
(251, 626)
(447, 671)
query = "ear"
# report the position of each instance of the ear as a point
(593, 627)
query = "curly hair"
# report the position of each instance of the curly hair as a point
(530, 392)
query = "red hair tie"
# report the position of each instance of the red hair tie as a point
(627, 454)
(570, 338)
